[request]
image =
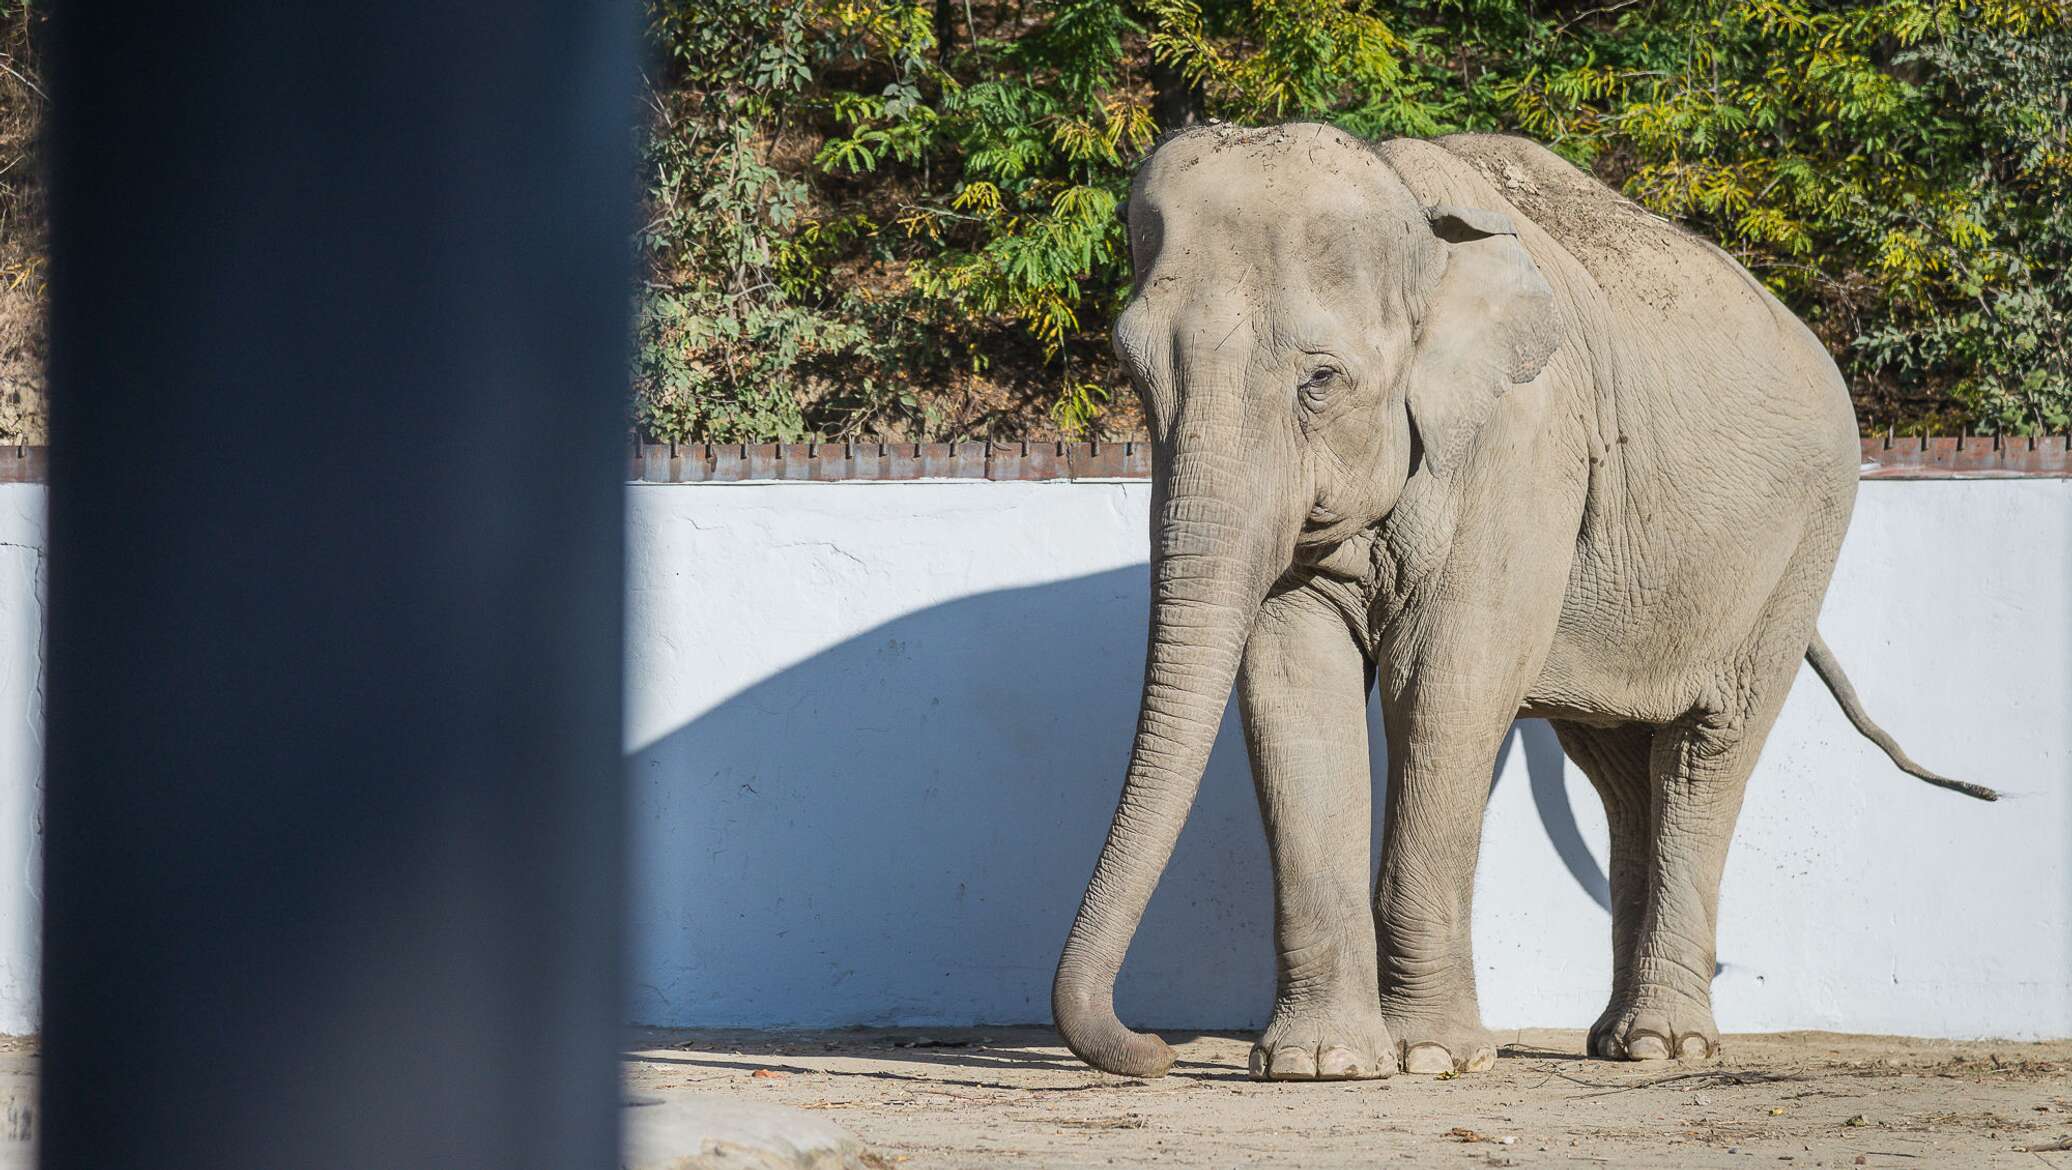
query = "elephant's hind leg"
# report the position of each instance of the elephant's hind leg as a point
(1303, 693)
(1616, 759)
(1699, 767)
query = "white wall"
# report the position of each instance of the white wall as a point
(875, 733)
(21, 753)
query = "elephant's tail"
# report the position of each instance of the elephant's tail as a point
(1829, 669)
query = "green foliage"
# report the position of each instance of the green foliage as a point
(1281, 59)
(894, 218)
(1895, 171)
(742, 325)
(23, 99)
(1993, 318)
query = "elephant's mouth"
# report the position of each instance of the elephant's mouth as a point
(1324, 526)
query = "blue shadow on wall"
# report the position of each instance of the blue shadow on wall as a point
(897, 830)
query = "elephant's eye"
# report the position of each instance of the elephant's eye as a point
(1314, 387)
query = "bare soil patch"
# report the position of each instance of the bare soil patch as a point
(1013, 1097)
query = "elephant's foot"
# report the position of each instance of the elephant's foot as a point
(1453, 1042)
(1655, 1027)
(1324, 1044)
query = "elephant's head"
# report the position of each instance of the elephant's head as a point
(1307, 336)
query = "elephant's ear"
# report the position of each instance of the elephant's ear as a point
(1485, 322)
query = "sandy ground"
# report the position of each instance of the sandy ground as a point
(1013, 1097)
(17, 1103)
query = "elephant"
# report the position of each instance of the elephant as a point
(1452, 420)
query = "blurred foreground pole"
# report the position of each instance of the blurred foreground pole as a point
(339, 322)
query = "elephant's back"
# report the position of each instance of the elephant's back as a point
(1639, 260)
(1602, 229)
(1662, 307)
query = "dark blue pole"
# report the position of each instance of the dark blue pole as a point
(339, 321)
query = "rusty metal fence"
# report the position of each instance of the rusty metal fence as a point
(1935, 457)
(1884, 457)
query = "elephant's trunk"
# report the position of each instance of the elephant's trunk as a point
(1218, 544)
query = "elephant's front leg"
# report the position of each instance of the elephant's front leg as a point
(1303, 692)
(1443, 743)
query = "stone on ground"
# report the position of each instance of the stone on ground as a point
(689, 1132)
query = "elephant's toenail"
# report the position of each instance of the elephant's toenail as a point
(1692, 1046)
(1258, 1063)
(1427, 1060)
(1646, 1046)
(1339, 1062)
(1483, 1060)
(1293, 1064)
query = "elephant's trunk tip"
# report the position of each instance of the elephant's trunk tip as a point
(1088, 1023)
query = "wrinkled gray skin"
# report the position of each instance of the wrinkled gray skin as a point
(1455, 418)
